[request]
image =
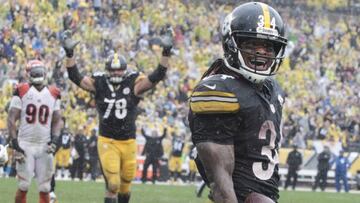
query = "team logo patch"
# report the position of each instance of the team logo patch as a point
(126, 90)
(30, 97)
(213, 87)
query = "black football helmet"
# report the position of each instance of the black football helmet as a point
(257, 22)
(114, 64)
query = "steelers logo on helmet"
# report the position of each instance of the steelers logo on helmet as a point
(253, 38)
(35, 70)
(116, 68)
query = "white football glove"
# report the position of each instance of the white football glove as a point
(3, 154)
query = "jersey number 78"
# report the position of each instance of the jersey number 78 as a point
(120, 108)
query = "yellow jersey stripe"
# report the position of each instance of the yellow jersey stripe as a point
(214, 107)
(266, 13)
(140, 77)
(213, 93)
(214, 98)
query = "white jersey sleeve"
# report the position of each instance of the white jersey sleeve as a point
(15, 102)
(57, 105)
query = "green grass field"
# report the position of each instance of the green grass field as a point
(91, 192)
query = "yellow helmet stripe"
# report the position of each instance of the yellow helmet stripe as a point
(266, 13)
(116, 59)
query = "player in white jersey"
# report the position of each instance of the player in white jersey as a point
(37, 107)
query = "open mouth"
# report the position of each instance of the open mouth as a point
(258, 63)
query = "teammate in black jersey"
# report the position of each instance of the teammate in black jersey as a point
(117, 93)
(235, 110)
(63, 154)
(175, 161)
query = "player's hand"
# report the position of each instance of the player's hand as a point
(53, 145)
(68, 43)
(167, 42)
(19, 157)
(51, 148)
(19, 153)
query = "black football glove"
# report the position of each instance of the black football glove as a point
(15, 145)
(53, 145)
(68, 43)
(19, 153)
(167, 42)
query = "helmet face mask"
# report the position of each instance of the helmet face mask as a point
(116, 68)
(253, 41)
(258, 55)
(36, 72)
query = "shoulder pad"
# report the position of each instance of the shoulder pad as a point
(132, 74)
(140, 77)
(55, 92)
(21, 89)
(98, 74)
(212, 96)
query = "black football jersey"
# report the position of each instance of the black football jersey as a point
(116, 106)
(65, 139)
(177, 147)
(229, 110)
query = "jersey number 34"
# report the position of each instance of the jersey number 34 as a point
(269, 151)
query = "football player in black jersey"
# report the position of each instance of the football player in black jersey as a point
(117, 94)
(62, 156)
(235, 110)
(175, 162)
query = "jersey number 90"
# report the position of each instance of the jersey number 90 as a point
(33, 113)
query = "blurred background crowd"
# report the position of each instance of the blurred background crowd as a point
(320, 73)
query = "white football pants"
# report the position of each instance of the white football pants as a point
(37, 163)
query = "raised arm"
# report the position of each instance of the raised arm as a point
(159, 73)
(144, 133)
(218, 161)
(164, 133)
(85, 82)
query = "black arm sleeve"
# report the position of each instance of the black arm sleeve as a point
(164, 134)
(74, 75)
(158, 74)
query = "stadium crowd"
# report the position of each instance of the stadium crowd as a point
(320, 73)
